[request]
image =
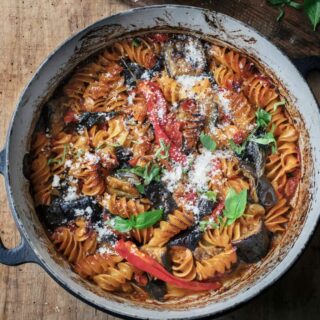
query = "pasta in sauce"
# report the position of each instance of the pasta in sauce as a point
(162, 163)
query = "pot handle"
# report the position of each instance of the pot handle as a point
(23, 252)
(307, 64)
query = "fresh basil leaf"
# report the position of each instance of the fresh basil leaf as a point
(281, 14)
(140, 188)
(147, 219)
(263, 118)
(268, 138)
(211, 195)
(312, 9)
(136, 42)
(295, 5)
(207, 142)
(207, 224)
(120, 224)
(278, 104)
(237, 148)
(163, 151)
(235, 205)
(152, 174)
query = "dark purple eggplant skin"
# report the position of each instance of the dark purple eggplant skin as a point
(255, 246)
(266, 193)
(61, 212)
(205, 207)
(123, 155)
(255, 155)
(89, 119)
(157, 289)
(160, 197)
(166, 261)
(133, 71)
(188, 239)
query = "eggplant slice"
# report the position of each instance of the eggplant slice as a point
(160, 197)
(161, 255)
(184, 55)
(188, 239)
(157, 289)
(254, 245)
(60, 211)
(266, 193)
(89, 119)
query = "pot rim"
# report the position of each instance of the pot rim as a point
(201, 312)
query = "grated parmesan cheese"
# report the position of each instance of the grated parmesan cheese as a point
(71, 194)
(56, 181)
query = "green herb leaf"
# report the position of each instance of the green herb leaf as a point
(163, 151)
(207, 142)
(237, 148)
(278, 104)
(140, 188)
(263, 118)
(281, 14)
(295, 5)
(141, 221)
(136, 42)
(266, 139)
(147, 219)
(211, 195)
(235, 205)
(62, 159)
(121, 224)
(206, 224)
(145, 173)
(312, 9)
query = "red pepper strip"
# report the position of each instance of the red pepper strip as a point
(140, 260)
(157, 111)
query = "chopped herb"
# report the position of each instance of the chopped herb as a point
(235, 205)
(237, 148)
(211, 195)
(263, 118)
(278, 104)
(140, 188)
(163, 151)
(62, 159)
(136, 42)
(141, 221)
(208, 142)
(148, 175)
(207, 224)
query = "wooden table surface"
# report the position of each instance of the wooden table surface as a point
(30, 30)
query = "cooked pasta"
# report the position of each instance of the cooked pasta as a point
(163, 164)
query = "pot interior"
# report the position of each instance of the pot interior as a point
(210, 26)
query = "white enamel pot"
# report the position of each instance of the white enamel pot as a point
(35, 245)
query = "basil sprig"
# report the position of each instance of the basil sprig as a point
(141, 221)
(211, 195)
(147, 173)
(208, 142)
(207, 224)
(263, 119)
(235, 205)
(310, 7)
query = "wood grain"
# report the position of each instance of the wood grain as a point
(30, 30)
